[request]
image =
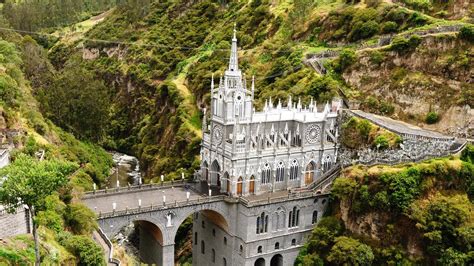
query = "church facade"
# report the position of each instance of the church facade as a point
(284, 146)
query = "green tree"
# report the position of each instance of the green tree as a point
(80, 219)
(381, 142)
(467, 33)
(442, 222)
(431, 118)
(88, 252)
(349, 251)
(78, 102)
(29, 181)
(346, 58)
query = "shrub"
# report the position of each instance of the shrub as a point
(343, 187)
(418, 19)
(466, 33)
(364, 128)
(324, 234)
(381, 142)
(403, 187)
(442, 221)
(376, 57)
(467, 154)
(363, 30)
(88, 252)
(431, 118)
(389, 27)
(346, 58)
(80, 219)
(350, 251)
(403, 45)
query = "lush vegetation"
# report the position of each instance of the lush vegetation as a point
(360, 133)
(138, 81)
(31, 15)
(47, 186)
(419, 213)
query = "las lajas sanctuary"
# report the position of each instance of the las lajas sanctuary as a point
(260, 154)
(263, 182)
(258, 193)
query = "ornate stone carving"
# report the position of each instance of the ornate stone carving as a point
(217, 134)
(312, 133)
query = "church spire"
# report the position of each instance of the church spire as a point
(233, 61)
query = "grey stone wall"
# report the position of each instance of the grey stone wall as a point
(14, 224)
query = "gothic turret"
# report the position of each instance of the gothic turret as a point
(231, 100)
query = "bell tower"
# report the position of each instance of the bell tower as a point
(231, 100)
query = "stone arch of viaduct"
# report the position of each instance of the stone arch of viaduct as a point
(221, 212)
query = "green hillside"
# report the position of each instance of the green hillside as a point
(134, 76)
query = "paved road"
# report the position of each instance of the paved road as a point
(148, 197)
(399, 126)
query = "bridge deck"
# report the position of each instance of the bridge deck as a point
(129, 200)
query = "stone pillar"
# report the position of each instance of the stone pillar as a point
(168, 255)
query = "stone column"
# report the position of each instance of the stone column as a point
(168, 255)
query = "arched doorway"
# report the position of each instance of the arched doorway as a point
(252, 185)
(260, 262)
(276, 260)
(309, 174)
(215, 173)
(205, 171)
(239, 186)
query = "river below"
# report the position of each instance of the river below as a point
(126, 171)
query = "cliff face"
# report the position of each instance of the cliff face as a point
(436, 76)
(379, 226)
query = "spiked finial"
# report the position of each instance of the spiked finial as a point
(253, 86)
(212, 82)
(233, 60)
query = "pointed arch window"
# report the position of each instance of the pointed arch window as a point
(293, 217)
(280, 172)
(262, 223)
(266, 172)
(294, 168)
(327, 163)
(315, 217)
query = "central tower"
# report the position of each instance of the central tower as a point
(245, 152)
(231, 100)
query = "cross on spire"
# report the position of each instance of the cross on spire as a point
(233, 60)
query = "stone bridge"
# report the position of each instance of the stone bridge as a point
(159, 209)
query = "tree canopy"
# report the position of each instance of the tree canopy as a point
(29, 181)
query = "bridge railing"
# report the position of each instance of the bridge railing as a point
(107, 241)
(273, 199)
(163, 206)
(127, 189)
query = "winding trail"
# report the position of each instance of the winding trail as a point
(189, 101)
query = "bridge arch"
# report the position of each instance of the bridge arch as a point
(211, 227)
(216, 215)
(277, 260)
